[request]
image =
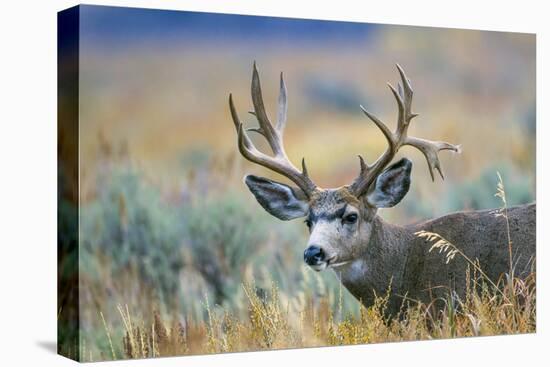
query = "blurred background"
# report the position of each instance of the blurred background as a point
(166, 222)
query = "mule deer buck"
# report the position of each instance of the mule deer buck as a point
(369, 255)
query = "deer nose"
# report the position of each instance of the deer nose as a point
(313, 255)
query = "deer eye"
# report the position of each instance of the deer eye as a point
(308, 223)
(350, 218)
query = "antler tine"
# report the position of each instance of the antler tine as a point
(283, 107)
(265, 129)
(407, 94)
(368, 172)
(274, 136)
(403, 96)
(430, 150)
(387, 133)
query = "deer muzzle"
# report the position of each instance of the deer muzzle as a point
(315, 257)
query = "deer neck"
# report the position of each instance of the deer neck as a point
(382, 263)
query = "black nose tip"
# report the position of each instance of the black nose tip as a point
(313, 255)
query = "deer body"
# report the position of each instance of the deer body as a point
(395, 257)
(346, 234)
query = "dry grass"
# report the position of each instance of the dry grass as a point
(488, 309)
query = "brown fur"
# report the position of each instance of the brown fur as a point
(395, 255)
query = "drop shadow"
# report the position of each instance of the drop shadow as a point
(50, 346)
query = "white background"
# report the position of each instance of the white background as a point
(28, 181)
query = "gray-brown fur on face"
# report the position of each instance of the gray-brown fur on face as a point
(335, 238)
(340, 240)
(331, 230)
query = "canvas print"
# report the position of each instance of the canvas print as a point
(233, 183)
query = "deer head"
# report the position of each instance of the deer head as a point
(340, 219)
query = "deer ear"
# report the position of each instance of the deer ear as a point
(392, 185)
(279, 200)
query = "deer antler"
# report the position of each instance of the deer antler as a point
(430, 149)
(274, 136)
